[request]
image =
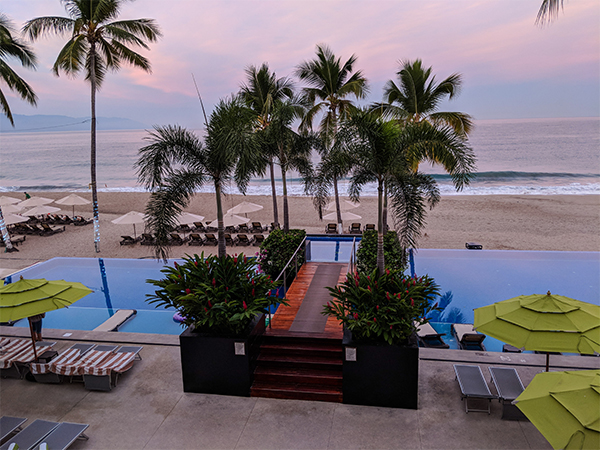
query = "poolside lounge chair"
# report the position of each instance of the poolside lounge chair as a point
(31, 435)
(12, 363)
(210, 239)
(176, 239)
(75, 368)
(43, 373)
(472, 385)
(98, 376)
(242, 239)
(243, 228)
(257, 228)
(147, 239)
(116, 320)
(467, 337)
(195, 239)
(370, 227)
(509, 387)
(331, 228)
(184, 228)
(428, 337)
(199, 226)
(355, 228)
(128, 240)
(258, 240)
(64, 435)
(228, 239)
(9, 426)
(79, 221)
(274, 226)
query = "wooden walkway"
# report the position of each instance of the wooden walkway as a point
(285, 315)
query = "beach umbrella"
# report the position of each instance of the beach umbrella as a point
(186, 218)
(131, 218)
(35, 201)
(41, 210)
(346, 215)
(564, 407)
(344, 205)
(73, 200)
(10, 219)
(244, 208)
(229, 220)
(12, 209)
(4, 200)
(544, 323)
(30, 297)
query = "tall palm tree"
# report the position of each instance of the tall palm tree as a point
(380, 149)
(330, 83)
(13, 47)
(97, 44)
(176, 163)
(261, 93)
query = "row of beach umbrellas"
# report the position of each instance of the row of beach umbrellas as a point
(13, 208)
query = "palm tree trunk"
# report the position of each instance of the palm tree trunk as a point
(385, 209)
(5, 235)
(93, 149)
(273, 191)
(286, 214)
(338, 209)
(222, 248)
(380, 257)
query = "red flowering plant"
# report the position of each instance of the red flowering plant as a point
(216, 295)
(384, 308)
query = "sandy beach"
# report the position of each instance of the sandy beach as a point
(562, 223)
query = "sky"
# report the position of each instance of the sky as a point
(511, 68)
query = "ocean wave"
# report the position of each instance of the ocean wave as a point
(514, 175)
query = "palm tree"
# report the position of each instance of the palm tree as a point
(96, 45)
(261, 93)
(176, 163)
(548, 11)
(330, 83)
(13, 47)
(380, 149)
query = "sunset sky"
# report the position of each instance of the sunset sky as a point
(511, 68)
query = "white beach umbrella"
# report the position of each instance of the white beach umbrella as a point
(344, 205)
(35, 201)
(244, 208)
(5, 200)
(346, 215)
(73, 200)
(131, 218)
(40, 210)
(12, 209)
(9, 218)
(186, 218)
(229, 220)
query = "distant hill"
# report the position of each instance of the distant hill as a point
(45, 123)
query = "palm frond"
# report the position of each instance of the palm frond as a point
(72, 56)
(16, 84)
(548, 11)
(44, 26)
(136, 31)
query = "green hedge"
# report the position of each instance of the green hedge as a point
(276, 251)
(394, 254)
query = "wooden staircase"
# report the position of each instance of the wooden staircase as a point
(302, 366)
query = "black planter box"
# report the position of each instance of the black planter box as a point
(381, 375)
(210, 365)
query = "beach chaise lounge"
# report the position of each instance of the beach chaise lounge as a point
(258, 240)
(467, 337)
(9, 426)
(355, 228)
(243, 228)
(331, 228)
(79, 221)
(428, 337)
(228, 239)
(176, 239)
(147, 239)
(128, 240)
(43, 373)
(13, 363)
(370, 227)
(509, 386)
(472, 385)
(31, 436)
(64, 435)
(209, 228)
(184, 228)
(51, 230)
(231, 229)
(199, 226)
(242, 239)
(210, 239)
(116, 320)
(257, 228)
(195, 239)
(98, 376)
(274, 226)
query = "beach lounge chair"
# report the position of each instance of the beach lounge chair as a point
(467, 337)
(258, 240)
(243, 228)
(428, 337)
(228, 239)
(209, 228)
(210, 239)
(274, 226)
(472, 385)
(195, 239)
(509, 386)
(79, 221)
(184, 228)
(64, 435)
(242, 239)
(128, 240)
(370, 227)
(176, 239)
(92, 357)
(98, 376)
(43, 373)
(51, 230)
(331, 228)
(231, 229)
(13, 363)
(355, 228)
(257, 228)
(116, 320)
(9, 426)
(147, 239)
(31, 435)
(199, 226)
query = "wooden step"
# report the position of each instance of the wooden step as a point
(298, 392)
(301, 348)
(299, 361)
(284, 375)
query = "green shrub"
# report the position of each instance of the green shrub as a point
(277, 250)
(217, 295)
(394, 254)
(382, 309)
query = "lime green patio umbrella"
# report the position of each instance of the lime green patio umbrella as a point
(30, 297)
(544, 323)
(565, 407)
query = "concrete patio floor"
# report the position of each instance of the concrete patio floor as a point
(149, 410)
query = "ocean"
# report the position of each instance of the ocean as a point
(514, 157)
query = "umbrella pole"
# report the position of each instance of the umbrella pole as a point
(547, 361)
(32, 339)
